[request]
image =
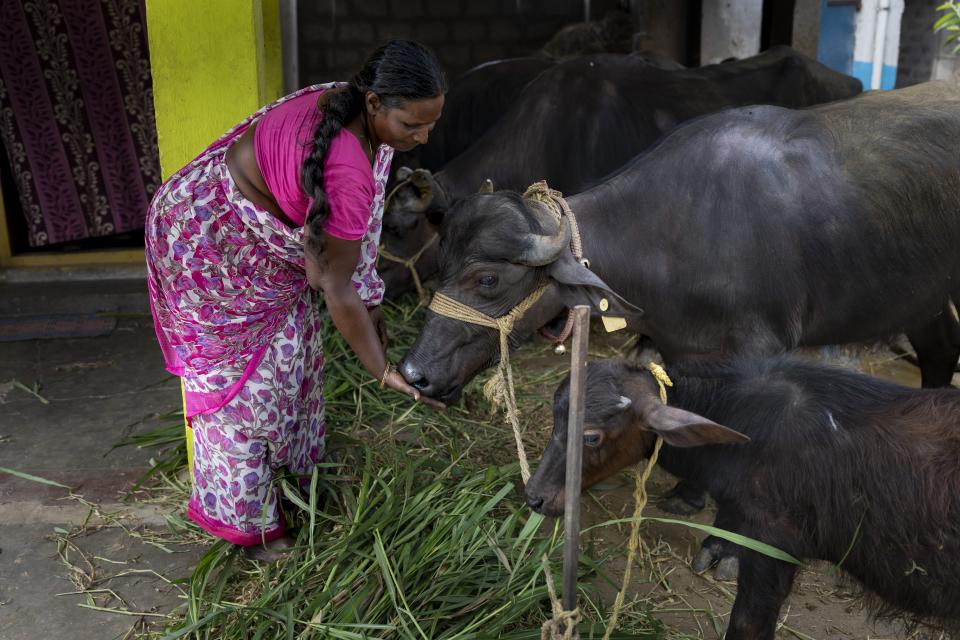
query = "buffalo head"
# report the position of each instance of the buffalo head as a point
(495, 250)
(622, 418)
(410, 223)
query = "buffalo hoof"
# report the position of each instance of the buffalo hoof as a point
(728, 569)
(271, 552)
(679, 506)
(716, 553)
(706, 558)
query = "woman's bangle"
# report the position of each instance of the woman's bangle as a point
(386, 371)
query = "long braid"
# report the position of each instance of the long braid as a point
(399, 70)
(340, 109)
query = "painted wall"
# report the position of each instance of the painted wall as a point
(871, 31)
(806, 27)
(335, 36)
(923, 55)
(837, 29)
(919, 45)
(214, 63)
(730, 29)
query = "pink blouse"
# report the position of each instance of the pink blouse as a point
(282, 141)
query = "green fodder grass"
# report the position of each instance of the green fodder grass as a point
(413, 528)
(388, 551)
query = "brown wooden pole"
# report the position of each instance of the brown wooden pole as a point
(571, 510)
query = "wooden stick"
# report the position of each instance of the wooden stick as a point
(571, 511)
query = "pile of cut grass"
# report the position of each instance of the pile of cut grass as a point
(388, 551)
(414, 528)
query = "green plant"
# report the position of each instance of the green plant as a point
(950, 22)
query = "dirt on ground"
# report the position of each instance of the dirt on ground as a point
(823, 604)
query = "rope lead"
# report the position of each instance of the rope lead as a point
(640, 501)
(563, 624)
(500, 387)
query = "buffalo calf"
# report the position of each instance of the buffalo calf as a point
(824, 463)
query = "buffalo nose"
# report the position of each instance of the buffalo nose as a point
(413, 375)
(534, 502)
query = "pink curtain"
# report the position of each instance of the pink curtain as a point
(76, 115)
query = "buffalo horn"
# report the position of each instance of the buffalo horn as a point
(543, 250)
(422, 180)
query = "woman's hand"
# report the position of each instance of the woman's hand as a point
(330, 263)
(396, 382)
(380, 324)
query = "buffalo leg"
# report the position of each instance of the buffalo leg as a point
(643, 352)
(684, 499)
(938, 347)
(763, 585)
(718, 552)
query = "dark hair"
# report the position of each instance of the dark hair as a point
(397, 71)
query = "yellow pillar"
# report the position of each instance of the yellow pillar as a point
(272, 51)
(213, 63)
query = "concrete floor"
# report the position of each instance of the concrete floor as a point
(99, 391)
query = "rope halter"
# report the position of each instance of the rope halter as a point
(499, 388)
(409, 263)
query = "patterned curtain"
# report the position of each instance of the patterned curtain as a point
(76, 115)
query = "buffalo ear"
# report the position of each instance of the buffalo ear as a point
(422, 195)
(579, 285)
(681, 428)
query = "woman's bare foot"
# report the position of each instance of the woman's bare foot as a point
(272, 551)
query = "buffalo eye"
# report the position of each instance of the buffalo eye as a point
(592, 438)
(487, 281)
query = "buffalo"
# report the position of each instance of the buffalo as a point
(580, 120)
(820, 462)
(474, 104)
(755, 230)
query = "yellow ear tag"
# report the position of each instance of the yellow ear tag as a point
(604, 304)
(613, 323)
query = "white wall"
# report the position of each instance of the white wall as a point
(870, 19)
(730, 28)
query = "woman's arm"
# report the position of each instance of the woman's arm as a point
(330, 263)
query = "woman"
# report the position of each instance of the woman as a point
(239, 241)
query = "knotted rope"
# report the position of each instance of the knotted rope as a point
(541, 192)
(640, 501)
(563, 624)
(409, 263)
(500, 386)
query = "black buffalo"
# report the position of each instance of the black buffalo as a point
(584, 118)
(755, 230)
(839, 467)
(474, 104)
